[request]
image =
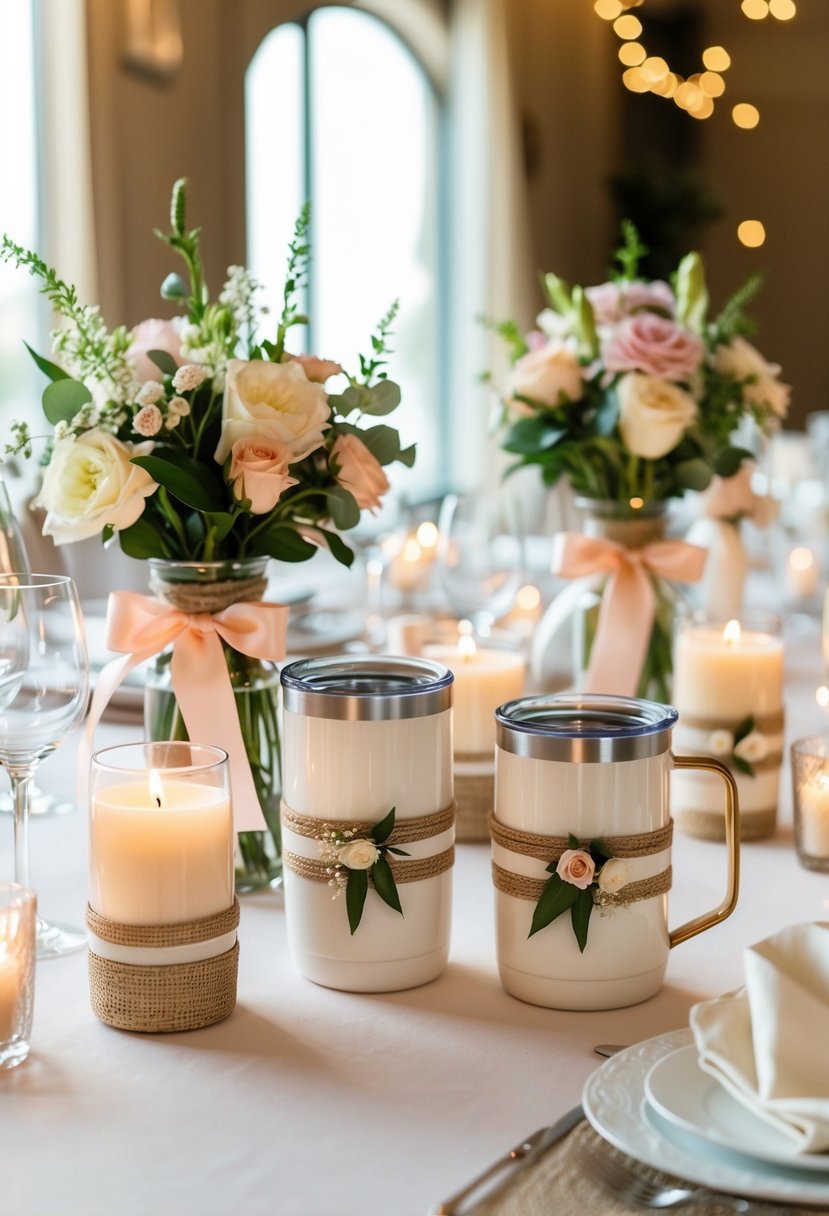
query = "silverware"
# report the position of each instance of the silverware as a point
(514, 1162)
(626, 1181)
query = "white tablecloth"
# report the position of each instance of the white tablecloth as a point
(320, 1103)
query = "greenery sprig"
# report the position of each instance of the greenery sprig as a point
(562, 891)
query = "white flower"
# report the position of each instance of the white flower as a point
(90, 483)
(188, 377)
(613, 875)
(753, 748)
(171, 422)
(150, 393)
(653, 414)
(178, 406)
(721, 743)
(148, 421)
(743, 361)
(358, 854)
(273, 401)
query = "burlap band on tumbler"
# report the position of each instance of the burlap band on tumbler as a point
(474, 796)
(163, 999)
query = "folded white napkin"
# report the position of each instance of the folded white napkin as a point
(768, 1043)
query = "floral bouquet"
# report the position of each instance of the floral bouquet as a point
(205, 445)
(632, 393)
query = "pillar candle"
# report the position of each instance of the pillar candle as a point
(154, 864)
(484, 679)
(10, 994)
(813, 808)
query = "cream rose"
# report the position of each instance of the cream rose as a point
(613, 875)
(259, 471)
(753, 748)
(153, 334)
(721, 742)
(359, 471)
(549, 375)
(744, 362)
(90, 483)
(358, 854)
(274, 401)
(577, 867)
(653, 414)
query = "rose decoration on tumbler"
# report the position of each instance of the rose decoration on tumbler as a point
(630, 392)
(579, 878)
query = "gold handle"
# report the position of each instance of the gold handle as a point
(732, 839)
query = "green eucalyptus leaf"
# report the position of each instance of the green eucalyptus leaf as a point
(354, 398)
(356, 889)
(384, 884)
(743, 766)
(342, 507)
(407, 455)
(164, 361)
(284, 544)
(728, 461)
(381, 831)
(745, 728)
(184, 482)
(142, 540)
(580, 917)
(383, 398)
(339, 549)
(693, 474)
(48, 368)
(382, 441)
(555, 899)
(63, 398)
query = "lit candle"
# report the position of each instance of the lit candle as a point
(161, 851)
(484, 679)
(11, 991)
(801, 574)
(813, 809)
(526, 611)
(413, 557)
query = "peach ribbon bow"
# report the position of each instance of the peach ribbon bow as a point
(628, 603)
(140, 627)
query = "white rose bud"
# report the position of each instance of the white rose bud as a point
(721, 742)
(613, 875)
(753, 748)
(358, 854)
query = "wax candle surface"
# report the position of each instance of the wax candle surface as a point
(10, 994)
(152, 865)
(814, 817)
(484, 680)
(715, 677)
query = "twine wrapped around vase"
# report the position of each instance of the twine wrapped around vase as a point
(156, 996)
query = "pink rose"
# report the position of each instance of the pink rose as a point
(577, 867)
(613, 301)
(549, 374)
(259, 471)
(153, 335)
(359, 471)
(653, 345)
(318, 370)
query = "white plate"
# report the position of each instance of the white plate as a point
(615, 1103)
(691, 1099)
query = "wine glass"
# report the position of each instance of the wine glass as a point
(480, 557)
(44, 697)
(15, 560)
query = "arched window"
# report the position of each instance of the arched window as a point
(340, 111)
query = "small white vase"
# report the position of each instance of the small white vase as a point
(723, 583)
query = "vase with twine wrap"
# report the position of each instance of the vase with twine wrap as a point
(626, 595)
(208, 588)
(577, 775)
(365, 736)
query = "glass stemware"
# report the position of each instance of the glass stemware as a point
(480, 558)
(44, 686)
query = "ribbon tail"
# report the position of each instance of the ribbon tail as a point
(624, 628)
(208, 707)
(110, 677)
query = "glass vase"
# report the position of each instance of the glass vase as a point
(632, 528)
(210, 587)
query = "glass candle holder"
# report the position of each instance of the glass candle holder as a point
(18, 931)
(728, 689)
(161, 833)
(810, 781)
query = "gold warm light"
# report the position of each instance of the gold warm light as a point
(712, 84)
(632, 54)
(751, 233)
(783, 10)
(637, 503)
(608, 10)
(755, 10)
(702, 109)
(745, 115)
(634, 80)
(655, 68)
(822, 696)
(801, 559)
(731, 634)
(716, 59)
(528, 598)
(627, 26)
(427, 535)
(411, 550)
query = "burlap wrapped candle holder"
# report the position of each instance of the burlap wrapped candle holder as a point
(474, 796)
(159, 979)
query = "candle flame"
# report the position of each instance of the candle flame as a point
(427, 535)
(637, 503)
(801, 559)
(466, 647)
(156, 786)
(731, 633)
(411, 550)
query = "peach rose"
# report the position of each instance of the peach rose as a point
(153, 334)
(577, 867)
(259, 471)
(549, 374)
(316, 369)
(359, 471)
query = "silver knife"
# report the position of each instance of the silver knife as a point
(513, 1163)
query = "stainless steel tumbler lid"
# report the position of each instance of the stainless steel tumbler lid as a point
(365, 688)
(584, 728)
